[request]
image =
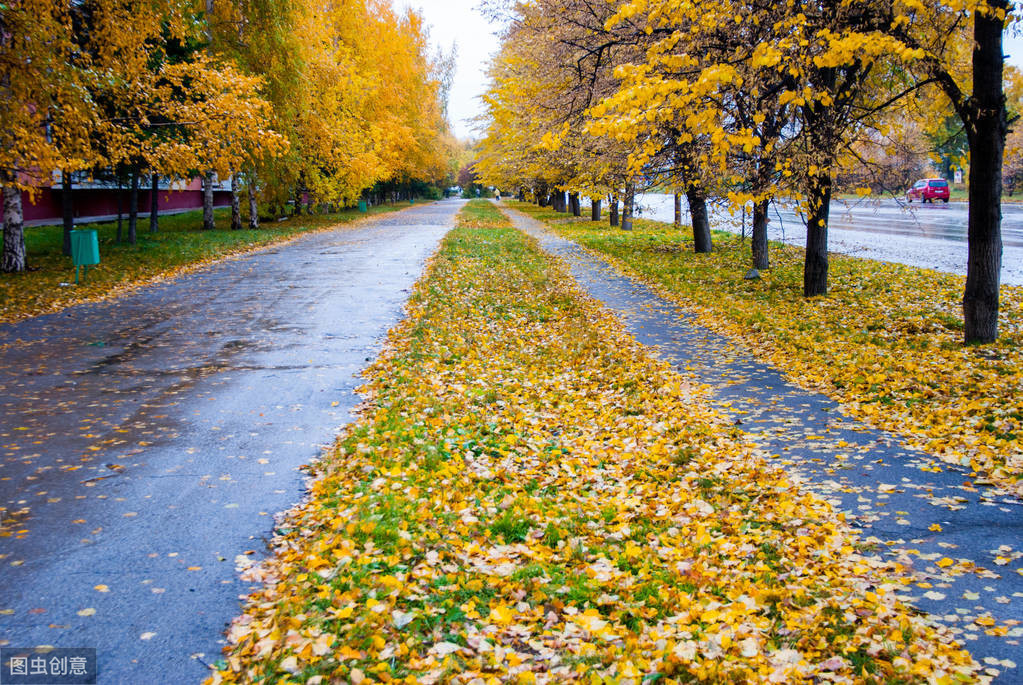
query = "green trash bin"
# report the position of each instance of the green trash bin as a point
(84, 249)
(362, 206)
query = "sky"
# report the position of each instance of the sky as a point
(1012, 47)
(461, 21)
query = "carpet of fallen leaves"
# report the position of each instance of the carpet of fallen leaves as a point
(179, 247)
(528, 496)
(886, 341)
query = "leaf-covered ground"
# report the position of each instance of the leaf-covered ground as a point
(529, 496)
(179, 246)
(886, 341)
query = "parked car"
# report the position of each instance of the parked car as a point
(928, 190)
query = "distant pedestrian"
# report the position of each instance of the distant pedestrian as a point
(497, 196)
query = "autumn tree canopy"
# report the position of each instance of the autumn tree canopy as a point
(302, 99)
(751, 101)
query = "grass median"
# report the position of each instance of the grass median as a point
(179, 245)
(528, 496)
(886, 341)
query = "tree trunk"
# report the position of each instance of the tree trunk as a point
(209, 21)
(14, 231)
(236, 204)
(573, 200)
(154, 203)
(987, 144)
(253, 205)
(120, 208)
(678, 210)
(815, 268)
(628, 207)
(133, 206)
(207, 201)
(612, 212)
(595, 209)
(698, 216)
(820, 119)
(67, 202)
(760, 260)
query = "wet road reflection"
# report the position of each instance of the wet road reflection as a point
(146, 442)
(926, 235)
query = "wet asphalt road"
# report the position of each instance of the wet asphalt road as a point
(145, 443)
(926, 235)
(893, 495)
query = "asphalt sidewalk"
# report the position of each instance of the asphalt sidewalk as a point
(147, 442)
(963, 542)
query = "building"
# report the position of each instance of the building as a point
(96, 199)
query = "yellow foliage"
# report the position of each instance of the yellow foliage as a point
(624, 533)
(910, 375)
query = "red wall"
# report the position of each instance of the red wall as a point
(94, 203)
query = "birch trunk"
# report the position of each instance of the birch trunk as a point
(13, 258)
(236, 205)
(628, 207)
(207, 201)
(253, 205)
(67, 202)
(154, 203)
(133, 207)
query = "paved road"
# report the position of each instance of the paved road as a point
(892, 495)
(930, 235)
(145, 443)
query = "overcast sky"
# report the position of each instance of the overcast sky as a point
(461, 21)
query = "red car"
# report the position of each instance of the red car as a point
(928, 190)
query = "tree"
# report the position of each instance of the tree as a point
(353, 90)
(556, 60)
(315, 101)
(170, 108)
(703, 118)
(818, 75)
(984, 114)
(889, 159)
(753, 100)
(1013, 167)
(979, 100)
(468, 179)
(949, 144)
(43, 112)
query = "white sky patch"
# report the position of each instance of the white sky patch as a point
(460, 21)
(1012, 48)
